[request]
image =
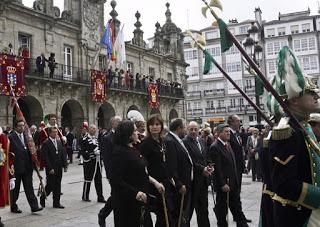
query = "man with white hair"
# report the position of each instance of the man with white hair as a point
(199, 188)
(91, 164)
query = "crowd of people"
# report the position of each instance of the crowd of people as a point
(149, 168)
(118, 78)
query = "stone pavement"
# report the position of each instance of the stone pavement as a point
(84, 214)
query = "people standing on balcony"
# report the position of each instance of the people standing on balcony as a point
(121, 78)
(116, 78)
(110, 76)
(130, 80)
(127, 79)
(143, 82)
(52, 64)
(138, 81)
(41, 64)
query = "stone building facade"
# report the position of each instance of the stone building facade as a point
(74, 37)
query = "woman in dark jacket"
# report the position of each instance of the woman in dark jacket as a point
(129, 179)
(152, 148)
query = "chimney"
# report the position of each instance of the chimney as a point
(258, 13)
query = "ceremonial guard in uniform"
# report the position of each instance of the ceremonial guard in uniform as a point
(91, 164)
(52, 122)
(295, 154)
(266, 205)
(7, 180)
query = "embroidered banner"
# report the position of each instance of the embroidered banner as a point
(12, 75)
(98, 86)
(153, 96)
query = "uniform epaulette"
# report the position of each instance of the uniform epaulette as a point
(266, 140)
(283, 130)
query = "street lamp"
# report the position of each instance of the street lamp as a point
(254, 50)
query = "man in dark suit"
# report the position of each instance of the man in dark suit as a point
(106, 152)
(180, 167)
(70, 138)
(54, 160)
(236, 144)
(23, 166)
(198, 151)
(41, 64)
(226, 179)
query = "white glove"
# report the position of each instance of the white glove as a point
(12, 183)
(96, 151)
(64, 139)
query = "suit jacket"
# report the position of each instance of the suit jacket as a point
(178, 163)
(107, 150)
(53, 159)
(41, 61)
(70, 138)
(23, 162)
(199, 158)
(225, 167)
(250, 146)
(238, 153)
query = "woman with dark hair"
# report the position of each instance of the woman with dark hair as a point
(129, 179)
(153, 149)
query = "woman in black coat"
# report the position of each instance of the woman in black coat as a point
(152, 148)
(129, 179)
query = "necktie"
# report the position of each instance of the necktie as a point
(22, 139)
(55, 144)
(199, 146)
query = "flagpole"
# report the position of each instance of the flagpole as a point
(264, 80)
(233, 82)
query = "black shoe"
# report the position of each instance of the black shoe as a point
(43, 202)
(101, 200)
(101, 221)
(16, 211)
(36, 210)
(86, 200)
(59, 206)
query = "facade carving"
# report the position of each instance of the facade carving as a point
(74, 38)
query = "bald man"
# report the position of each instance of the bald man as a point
(199, 194)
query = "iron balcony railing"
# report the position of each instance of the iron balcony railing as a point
(66, 73)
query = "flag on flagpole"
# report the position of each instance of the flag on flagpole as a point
(107, 39)
(225, 40)
(120, 50)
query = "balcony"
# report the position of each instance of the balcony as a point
(236, 109)
(194, 112)
(194, 94)
(214, 92)
(79, 76)
(221, 110)
(210, 111)
(249, 89)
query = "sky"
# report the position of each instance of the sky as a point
(186, 14)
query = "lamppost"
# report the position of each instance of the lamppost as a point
(254, 50)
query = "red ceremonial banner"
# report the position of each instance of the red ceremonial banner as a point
(12, 75)
(98, 86)
(153, 96)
